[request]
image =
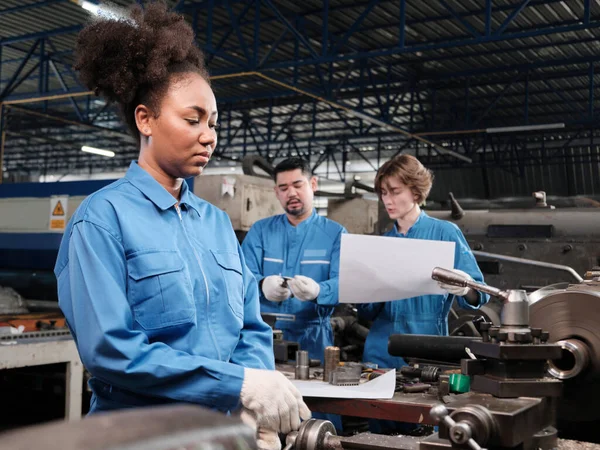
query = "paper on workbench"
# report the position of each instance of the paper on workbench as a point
(380, 388)
(382, 268)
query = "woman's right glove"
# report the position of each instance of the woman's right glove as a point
(274, 400)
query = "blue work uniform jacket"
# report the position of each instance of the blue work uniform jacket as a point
(273, 246)
(427, 314)
(159, 299)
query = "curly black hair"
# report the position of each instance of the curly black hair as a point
(131, 60)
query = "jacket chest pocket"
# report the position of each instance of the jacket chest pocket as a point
(233, 283)
(160, 291)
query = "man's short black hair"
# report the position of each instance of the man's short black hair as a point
(292, 164)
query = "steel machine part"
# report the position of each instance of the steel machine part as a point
(314, 434)
(332, 361)
(572, 316)
(302, 365)
(317, 434)
(346, 376)
(159, 428)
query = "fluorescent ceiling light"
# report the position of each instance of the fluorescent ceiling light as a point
(547, 126)
(103, 11)
(98, 151)
(89, 6)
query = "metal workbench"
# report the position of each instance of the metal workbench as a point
(37, 349)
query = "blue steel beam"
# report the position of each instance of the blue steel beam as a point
(256, 32)
(238, 32)
(591, 91)
(41, 34)
(402, 25)
(339, 44)
(16, 74)
(290, 27)
(497, 99)
(459, 18)
(66, 89)
(234, 27)
(325, 27)
(274, 47)
(571, 26)
(512, 17)
(488, 17)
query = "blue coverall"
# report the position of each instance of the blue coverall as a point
(427, 314)
(159, 299)
(273, 246)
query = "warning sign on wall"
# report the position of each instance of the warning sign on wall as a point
(59, 207)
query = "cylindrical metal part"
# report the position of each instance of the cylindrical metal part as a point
(314, 434)
(449, 277)
(515, 312)
(332, 361)
(576, 358)
(439, 348)
(302, 365)
(426, 373)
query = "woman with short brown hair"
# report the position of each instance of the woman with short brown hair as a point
(403, 184)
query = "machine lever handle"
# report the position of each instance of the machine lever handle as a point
(449, 277)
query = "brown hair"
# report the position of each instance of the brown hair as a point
(132, 60)
(410, 172)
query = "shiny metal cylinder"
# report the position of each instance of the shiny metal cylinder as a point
(576, 358)
(332, 361)
(515, 311)
(302, 365)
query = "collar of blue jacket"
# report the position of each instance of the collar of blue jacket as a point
(153, 190)
(414, 228)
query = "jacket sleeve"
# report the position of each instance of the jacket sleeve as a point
(255, 348)
(252, 248)
(465, 260)
(113, 351)
(329, 293)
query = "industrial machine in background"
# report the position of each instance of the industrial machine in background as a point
(528, 248)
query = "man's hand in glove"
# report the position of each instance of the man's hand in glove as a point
(304, 288)
(272, 287)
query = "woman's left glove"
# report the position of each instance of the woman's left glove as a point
(456, 290)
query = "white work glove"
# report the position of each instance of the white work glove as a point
(273, 399)
(265, 439)
(304, 288)
(273, 289)
(456, 290)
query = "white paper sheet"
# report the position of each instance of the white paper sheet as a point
(380, 388)
(381, 268)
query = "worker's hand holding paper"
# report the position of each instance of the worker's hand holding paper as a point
(381, 269)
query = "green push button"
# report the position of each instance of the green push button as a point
(459, 383)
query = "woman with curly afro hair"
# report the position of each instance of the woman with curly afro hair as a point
(151, 278)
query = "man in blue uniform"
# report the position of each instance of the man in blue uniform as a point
(304, 248)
